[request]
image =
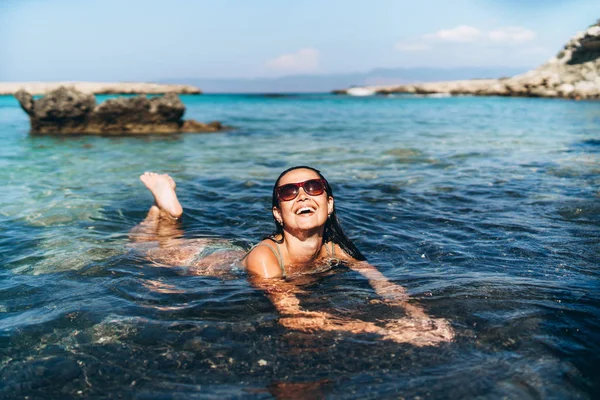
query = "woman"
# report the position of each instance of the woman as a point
(308, 238)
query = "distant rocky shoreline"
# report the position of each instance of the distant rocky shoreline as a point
(41, 88)
(66, 111)
(574, 73)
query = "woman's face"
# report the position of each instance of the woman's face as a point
(305, 212)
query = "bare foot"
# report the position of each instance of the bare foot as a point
(162, 187)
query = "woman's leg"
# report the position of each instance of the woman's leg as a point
(159, 236)
(162, 222)
(161, 230)
(162, 187)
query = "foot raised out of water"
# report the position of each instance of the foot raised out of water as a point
(162, 187)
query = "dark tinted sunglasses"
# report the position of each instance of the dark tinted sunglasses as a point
(312, 187)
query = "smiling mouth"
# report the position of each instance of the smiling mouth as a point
(305, 210)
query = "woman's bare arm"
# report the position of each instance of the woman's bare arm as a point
(418, 325)
(284, 296)
(392, 293)
(416, 330)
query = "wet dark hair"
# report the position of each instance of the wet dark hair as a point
(333, 230)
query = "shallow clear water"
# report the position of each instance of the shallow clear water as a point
(486, 209)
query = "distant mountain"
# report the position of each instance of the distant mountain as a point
(326, 83)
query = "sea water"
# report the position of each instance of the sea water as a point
(486, 209)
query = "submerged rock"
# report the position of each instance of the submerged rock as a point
(69, 111)
(573, 73)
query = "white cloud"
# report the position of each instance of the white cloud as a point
(511, 34)
(401, 46)
(465, 33)
(304, 60)
(462, 33)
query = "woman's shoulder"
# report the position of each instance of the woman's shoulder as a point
(264, 260)
(267, 245)
(335, 251)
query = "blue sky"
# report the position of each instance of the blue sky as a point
(114, 40)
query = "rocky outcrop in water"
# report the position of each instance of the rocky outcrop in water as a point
(573, 73)
(69, 111)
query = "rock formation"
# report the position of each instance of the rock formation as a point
(42, 88)
(69, 111)
(573, 73)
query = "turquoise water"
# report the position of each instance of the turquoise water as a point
(486, 209)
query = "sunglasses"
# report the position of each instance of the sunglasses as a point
(312, 187)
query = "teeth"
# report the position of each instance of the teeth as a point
(303, 209)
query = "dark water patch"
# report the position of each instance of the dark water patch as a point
(581, 212)
(588, 145)
(34, 378)
(12, 290)
(46, 310)
(469, 155)
(458, 200)
(576, 253)
(591, 142)
(507, 225)
(18, 243)
(565, 172)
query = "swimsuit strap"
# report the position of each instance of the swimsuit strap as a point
(331, 253)
(277, 253)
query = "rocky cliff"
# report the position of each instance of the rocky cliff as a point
(69, 111)
(573, 73)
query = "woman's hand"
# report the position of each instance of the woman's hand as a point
(311, 321)
(416, 331)
(419, 331)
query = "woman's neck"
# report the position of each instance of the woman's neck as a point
(302, 251)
